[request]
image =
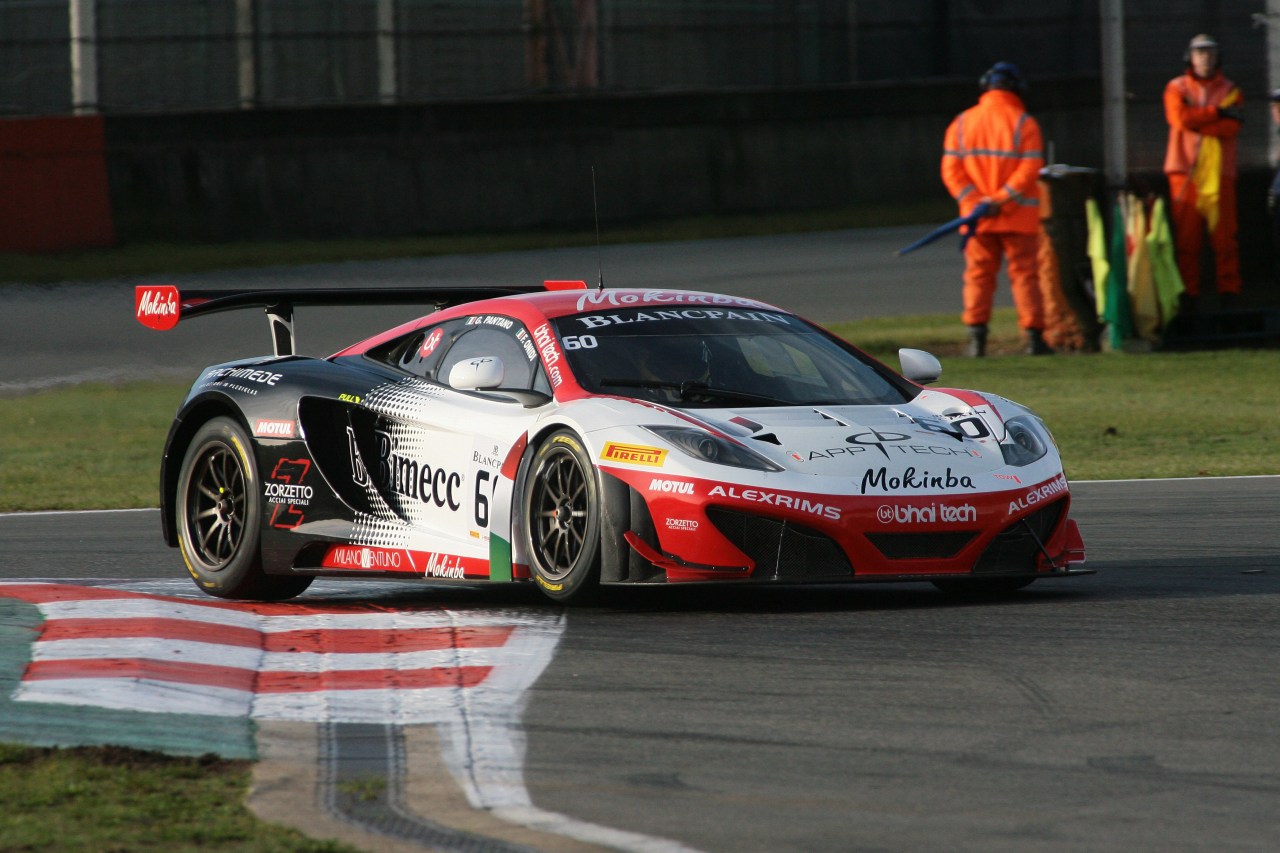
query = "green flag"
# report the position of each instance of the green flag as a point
(1118, 313)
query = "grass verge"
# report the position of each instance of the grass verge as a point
(113, 798)
(1114, 415)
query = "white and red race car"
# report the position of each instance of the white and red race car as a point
(574, 437)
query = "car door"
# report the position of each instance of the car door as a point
(437, 452)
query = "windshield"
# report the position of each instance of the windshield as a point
(717, 358)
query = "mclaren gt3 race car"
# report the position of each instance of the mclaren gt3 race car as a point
(573, 437)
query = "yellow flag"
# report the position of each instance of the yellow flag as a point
(1097, 254)
(1142, 283)
(1206, 174)
(1164, 268)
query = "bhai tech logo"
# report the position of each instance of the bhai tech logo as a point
(430, 342)
(930, 514)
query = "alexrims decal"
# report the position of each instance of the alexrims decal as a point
(795, 502)
(1039, 495)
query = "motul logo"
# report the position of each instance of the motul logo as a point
(273, 429)
(157, 306)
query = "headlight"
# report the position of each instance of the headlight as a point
(706, 447)
(1028, 441)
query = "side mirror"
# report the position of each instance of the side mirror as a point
(919, 366)
(477, 374)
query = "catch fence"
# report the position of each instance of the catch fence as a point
(130, 56)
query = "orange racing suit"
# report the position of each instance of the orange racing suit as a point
(994, 152)
(1191, 108)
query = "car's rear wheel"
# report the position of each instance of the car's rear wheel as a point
(218, 515)
(982, 587)
(561, 511)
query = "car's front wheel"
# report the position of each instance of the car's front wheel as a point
(218, 516)
(561, 512)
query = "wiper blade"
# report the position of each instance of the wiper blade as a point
(689, 389)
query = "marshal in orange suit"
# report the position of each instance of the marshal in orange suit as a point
(993, 154)
(1203, 110)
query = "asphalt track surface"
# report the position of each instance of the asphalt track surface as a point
(827, 277)
(1129, 710)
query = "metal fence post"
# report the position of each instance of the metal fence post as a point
(247, 53)
(84, 56)
(1114, 127)
(387, 61)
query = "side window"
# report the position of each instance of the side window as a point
(421, 353)
(491, 335)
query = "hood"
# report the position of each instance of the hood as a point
(940, 435)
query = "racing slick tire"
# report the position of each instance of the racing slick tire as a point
(561, 512)
(982, 587)
(217, 510)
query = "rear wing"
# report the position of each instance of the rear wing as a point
(162, 306)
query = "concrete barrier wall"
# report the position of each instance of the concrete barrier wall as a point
(53, 185)
(497, 165)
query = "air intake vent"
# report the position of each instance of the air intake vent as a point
(1015, 550)
(921, 546)
(782, 551)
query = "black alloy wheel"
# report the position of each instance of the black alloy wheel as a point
(562, 519)
(218, 508)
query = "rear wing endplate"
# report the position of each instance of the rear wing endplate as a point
(162, 306)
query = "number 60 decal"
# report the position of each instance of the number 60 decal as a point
(580, 342)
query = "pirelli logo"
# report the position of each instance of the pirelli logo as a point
(636, 454)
